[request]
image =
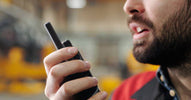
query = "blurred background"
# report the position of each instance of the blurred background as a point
(96, 27)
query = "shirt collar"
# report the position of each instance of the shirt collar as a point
(163, 78)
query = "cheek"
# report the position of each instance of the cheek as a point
(157, 13)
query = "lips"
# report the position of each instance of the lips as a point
(139, 31)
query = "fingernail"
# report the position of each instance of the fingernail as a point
(104, 95)
(95, 80)
(72, 50)
(87, 64)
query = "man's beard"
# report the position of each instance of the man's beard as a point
(171, 44)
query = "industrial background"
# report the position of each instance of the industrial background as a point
(98, 28)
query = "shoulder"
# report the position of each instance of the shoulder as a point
(131, 85)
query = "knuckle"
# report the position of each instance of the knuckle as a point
(67, 90)
(53, 72)
(45, 61)
(47, 93)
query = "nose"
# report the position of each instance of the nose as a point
(132, 7)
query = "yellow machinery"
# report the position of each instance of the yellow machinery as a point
(135, 67)
(19, 76)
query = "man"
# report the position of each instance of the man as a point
(161, 32)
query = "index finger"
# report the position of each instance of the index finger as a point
(59, 56)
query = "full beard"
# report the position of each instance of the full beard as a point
(172, 47)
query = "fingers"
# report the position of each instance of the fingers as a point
(99, 96)
(67, 68)
(61, 70)
(57, 70)
(58, 57)
(70, 88)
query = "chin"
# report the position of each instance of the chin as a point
(157, 55)
(147, 53)
(139, 53)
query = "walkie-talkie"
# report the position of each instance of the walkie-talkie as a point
(85, 94)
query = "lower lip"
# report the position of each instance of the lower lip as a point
(137, 36)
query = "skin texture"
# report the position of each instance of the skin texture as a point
(164, 39)
(56, 71)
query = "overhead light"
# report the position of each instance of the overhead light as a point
(76, 3)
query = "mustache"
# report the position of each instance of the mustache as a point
(141, 20)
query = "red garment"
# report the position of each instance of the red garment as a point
(131, 85)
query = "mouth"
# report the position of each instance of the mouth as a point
(139, 31)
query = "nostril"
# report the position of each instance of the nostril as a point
(134, 11)
(132, 7)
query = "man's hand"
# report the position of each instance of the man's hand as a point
(56, 70)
